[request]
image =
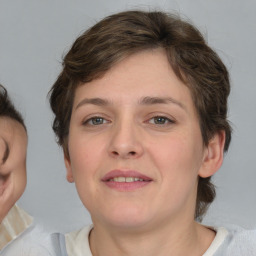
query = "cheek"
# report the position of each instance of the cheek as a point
(2, 148)
(178, 162)
(178, 159)
(19, 182)
(85, 155)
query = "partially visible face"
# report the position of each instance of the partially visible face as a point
(13, 148)
(135, 144)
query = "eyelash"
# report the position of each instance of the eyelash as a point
(163, 118)
(92, 119)
(164, 121)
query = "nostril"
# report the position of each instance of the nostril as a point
(115, 153)
(131, 153)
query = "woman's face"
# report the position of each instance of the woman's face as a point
(135, 144)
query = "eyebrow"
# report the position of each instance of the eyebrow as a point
(143, 101)
(6, 152)
(93, 101)
(160, 100)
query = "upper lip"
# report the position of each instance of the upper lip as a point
(125, 173)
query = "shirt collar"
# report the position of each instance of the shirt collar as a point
(14, 224)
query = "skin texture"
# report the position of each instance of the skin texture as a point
(13, 148)
(128, 135)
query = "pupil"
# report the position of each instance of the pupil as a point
(97, 121)
(160, 120)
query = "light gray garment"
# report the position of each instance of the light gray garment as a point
(36, 242)
(238, 242)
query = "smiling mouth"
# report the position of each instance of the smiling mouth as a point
(127, 179)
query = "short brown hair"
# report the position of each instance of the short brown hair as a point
(7, 108)
(193, 61)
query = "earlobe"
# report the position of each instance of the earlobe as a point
(69, 174)
(213, 155)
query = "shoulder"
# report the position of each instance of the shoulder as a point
(20, 236)
(41, 241)
(238, 241)
(35, 240)
(77, 242)
(242, 241)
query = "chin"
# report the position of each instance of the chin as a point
(127, 218)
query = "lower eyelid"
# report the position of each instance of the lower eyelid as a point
(89, 121)
(166, 119)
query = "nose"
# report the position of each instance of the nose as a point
(126, 142)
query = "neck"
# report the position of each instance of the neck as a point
(163, 240)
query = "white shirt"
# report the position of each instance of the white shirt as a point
(234, 242)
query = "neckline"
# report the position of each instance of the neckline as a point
(221, 234)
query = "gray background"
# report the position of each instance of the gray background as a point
(34, 35)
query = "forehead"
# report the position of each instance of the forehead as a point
(147, 73)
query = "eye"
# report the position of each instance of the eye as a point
(160, 120)
(96, 120)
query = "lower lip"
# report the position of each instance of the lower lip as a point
(127, 186)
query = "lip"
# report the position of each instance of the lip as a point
(125, 186)
(126, 173)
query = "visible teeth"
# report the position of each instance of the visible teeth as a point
(125, 179)
(119, 179)
(129, 179)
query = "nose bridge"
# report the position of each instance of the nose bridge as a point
(125, 140)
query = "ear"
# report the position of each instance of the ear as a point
(213, 157)
(69, 175)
